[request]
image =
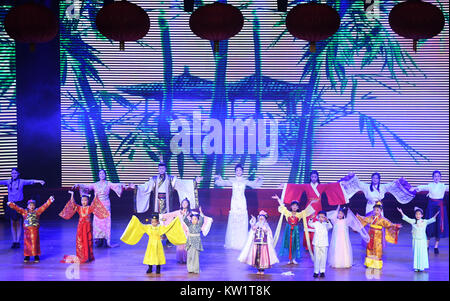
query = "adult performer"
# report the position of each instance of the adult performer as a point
(15, 195)
(436, 191)
(375, 191)
(159, 190)
(102, 188)
(237, 227)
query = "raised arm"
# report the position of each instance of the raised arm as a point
(221, 182)
(31, 182)
(256, 183)
(20, 210)
(406, 218)
(44, 207)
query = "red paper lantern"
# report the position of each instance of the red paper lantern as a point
(312, 22)
(31, 23)
(216, 22)
(415, 19)
(122, 21)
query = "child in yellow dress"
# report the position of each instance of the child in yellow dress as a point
(154, 255)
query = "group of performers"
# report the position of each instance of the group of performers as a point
(183, 226)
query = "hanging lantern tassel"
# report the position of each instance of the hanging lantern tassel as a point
(312, 47)
(122, 45)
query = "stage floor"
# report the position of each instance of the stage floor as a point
(124, 263)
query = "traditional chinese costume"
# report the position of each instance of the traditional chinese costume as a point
(374, 249)
(31, 227)
(313, 192)
(154, 254)
(259, 250)
(167, 218)
(194, 244)
(419, 241)
(84, 240)
(102, 226)
(291, 243)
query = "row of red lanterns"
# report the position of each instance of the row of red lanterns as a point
(124, 21)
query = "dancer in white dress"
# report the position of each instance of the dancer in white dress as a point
(237, 228)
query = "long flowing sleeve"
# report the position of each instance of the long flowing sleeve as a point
(98, 209)
(133, 232)
(185, 189)
(69, 209)
(392, 230)
(335, 193)
(20, 210)
(44, 207)
(142, 196)
(292, 192)
(350, 185)
(222, 182)
(116, 187)
(174, 232)
(364, 220)
(400, 190)
(167, 218)
(255, 184)
(206, 226)
(356, 225)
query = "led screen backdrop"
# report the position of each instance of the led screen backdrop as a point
(364, 102)
(8, 119)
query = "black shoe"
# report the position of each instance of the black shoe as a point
(14, 245)
(322, 275)
(150, 269)
(98, 242)
(26, 259)
(436, 251)
(158, 269)
(315, 275)
(36, 258)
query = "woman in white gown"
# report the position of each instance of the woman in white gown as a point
(237, 227)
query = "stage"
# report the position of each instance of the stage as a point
(124, 263)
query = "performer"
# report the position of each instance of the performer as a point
(419, 244)
(31, 216)
(160, 190)
(102, 188)
(166, 218)
(436, 191)
(237, 227)
(84, 241)
(374, 249)
(154, 255)
(259, 250)
(320, 241)
(340, 253)
(290, 244)
(375, 191)
(313, 191)
(15, 195)
(194, 243)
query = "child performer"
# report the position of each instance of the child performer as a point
(84, 240)
(154, 255)
(31, 227)
(291, 244)
(436, 191)
(340, 254)
(184, 210)
(419, 243)
(15, 195)
(374, 249)
(320, 242)
(194, 244)
(259, 249)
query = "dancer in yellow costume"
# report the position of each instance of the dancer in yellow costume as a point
(377, 222)
(154, 255)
